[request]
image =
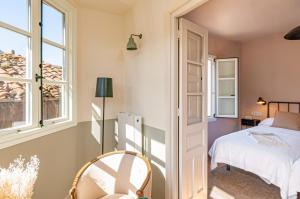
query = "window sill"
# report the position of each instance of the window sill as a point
(212, 119)
(12, 139)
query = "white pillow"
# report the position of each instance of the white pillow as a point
(267, 122)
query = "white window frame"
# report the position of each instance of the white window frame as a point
(63, 82)
(17, 135)
(211, 117)
(236, 94)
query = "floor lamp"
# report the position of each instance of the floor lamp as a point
(104, 89)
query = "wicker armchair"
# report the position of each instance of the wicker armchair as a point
(116, 175)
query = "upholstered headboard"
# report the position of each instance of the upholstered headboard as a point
(274, 106)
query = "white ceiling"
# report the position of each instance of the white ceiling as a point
(241, 20)
(113, 6)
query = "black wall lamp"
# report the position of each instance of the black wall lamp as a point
(261, 101)
(131, 45)
(293, 34)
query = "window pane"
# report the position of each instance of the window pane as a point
(13, 104)
(13, 54)
(227, 69)
(53, 101)
(15, 12)
(227, 87)
(226, 106)
(53, 24)
(52, 63)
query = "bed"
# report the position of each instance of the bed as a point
(294, 185)
(274, 163)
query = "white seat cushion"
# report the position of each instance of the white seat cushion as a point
(117, 196)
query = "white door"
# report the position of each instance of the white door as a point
(192, 110)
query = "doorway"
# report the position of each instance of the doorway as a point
(188, 142)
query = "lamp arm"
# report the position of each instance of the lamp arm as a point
(140, 35)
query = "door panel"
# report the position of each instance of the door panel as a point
(194, 78)
(194, 49)
(193, 111)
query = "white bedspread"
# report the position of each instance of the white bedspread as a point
(266, 138)
(271, 163)
(294, 186)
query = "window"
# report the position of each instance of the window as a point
(227, 88)
(222, 91)
(34, 98)
(55, 87)
(15, 65)
(211, 92)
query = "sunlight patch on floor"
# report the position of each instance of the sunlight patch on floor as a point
(217, 193)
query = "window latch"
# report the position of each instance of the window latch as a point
(41, 123)
(37, 77)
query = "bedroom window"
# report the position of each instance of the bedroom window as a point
(222, 88)
(211, 92)
(37, 91)
(227, 87)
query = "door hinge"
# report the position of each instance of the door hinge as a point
(178, 112)
(178, 34)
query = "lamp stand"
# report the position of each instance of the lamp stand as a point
(102, 139)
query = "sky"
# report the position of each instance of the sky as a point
(15, 13)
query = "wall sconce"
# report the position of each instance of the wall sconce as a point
(261, 101)
(293, 34)
(131, 45)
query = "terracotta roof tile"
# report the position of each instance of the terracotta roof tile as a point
(12, 65)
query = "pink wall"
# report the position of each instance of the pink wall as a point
(222, 48)
(270, 67)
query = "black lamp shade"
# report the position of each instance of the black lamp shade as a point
(261, 101)
(104, 87)
(293, 34)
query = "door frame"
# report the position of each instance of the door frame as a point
(172, 170)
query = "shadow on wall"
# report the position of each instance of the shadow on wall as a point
(154, 149)
(96, 123)
(89, 136)
(89, 146)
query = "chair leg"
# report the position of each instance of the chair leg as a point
(227, 167)
(298, 196)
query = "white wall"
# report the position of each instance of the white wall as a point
(100, 53)
(148, 69)
(148, 74)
